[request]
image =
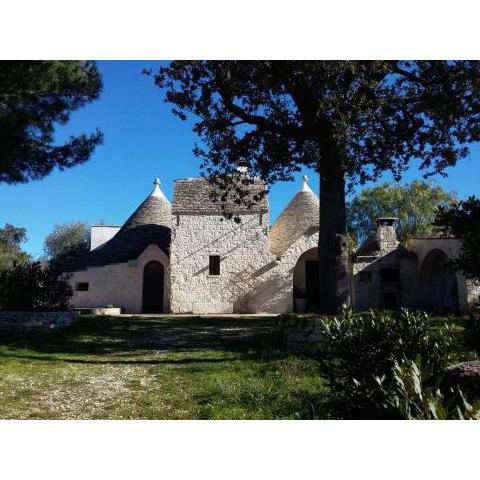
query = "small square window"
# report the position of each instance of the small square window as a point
(365, 276)
(214, 265)
(82, 287)
(390, 275)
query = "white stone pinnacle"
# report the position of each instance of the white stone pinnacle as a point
(156, 191)
(305, 187)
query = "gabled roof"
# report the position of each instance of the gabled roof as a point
(370, 248)
(195, 195)
(300, 215)
(149, 224)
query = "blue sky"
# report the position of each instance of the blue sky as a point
(143, 140)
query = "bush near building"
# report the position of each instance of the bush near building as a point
(33, 286)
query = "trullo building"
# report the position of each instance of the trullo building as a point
(186, 257)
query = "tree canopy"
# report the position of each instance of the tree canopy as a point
(33, 286)
(462, 220)
(66, 241)
(414, 204)
(11, 239)
(34, 97)
(349, 120)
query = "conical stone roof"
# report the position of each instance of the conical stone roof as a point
(149, 224)
(300, 215)
(154, 210)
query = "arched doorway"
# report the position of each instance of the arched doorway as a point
(306, 281)
(438, 283)
(153, 285)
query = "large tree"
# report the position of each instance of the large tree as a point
(350, 120)
(11, 239)
(34, 97)
(414, 204)
(66, 241)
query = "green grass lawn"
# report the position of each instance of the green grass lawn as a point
(161, 368)
(157, 368)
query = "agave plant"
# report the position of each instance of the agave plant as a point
(363, 356)
(409, 396)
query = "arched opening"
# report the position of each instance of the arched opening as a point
(306, 282)
(438, 283)
(153, 286)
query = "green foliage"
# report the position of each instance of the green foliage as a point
(34, 96)
(32, 286)
(462, 220)
(287, 388)
(359, 349)
(11, 238)
(472, 331)
(67, 241)
(412, 396)
(381, 113)
(414, 204)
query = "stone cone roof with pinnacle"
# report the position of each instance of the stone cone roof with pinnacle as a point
(300, 215)
(149, 224)
(154, 210)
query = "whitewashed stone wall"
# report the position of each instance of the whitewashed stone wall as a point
(243, 248)
(100, 234)
(251, 278)
(121, 284)
(273, 292)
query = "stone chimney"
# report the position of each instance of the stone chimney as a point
(386, 234)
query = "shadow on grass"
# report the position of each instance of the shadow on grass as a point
(139, 336)
(46, 358)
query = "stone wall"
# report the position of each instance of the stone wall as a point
(298, 331)
(252, 280)
(369, 292)
(119, 285)
(243, 250)
(26, 321)
(386, 236)
(472, 288)
(468, 290)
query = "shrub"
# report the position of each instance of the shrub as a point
(358, 351)
(472, 331)
(409, 398)
(32, 286)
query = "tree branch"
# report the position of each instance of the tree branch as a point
(408, 75)
(258, 120)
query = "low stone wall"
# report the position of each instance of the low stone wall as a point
(298, 331)
(26, 321)
(106, 311)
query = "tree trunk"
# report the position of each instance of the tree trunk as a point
(332, 242)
